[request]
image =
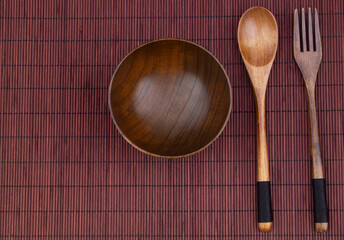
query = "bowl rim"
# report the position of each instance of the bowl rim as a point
(174, 156)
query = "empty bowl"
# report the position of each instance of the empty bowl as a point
(170, 98)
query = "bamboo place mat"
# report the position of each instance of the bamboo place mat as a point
(65, 171)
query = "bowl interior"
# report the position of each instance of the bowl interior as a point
(170, 98)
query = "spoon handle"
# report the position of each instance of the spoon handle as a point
(265, 217)
(319, 192)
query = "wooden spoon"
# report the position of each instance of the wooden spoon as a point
(258, 38)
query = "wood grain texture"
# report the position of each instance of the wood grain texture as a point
(170, 98)
(308, 58)
(258, 40)
(265, 226)
(321, 227)
(67, 173)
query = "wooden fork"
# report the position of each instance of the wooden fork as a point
(308, 59)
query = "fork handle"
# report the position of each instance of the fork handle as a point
(319, 192)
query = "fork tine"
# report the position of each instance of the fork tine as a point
(303, 20)
(317, 32)
(296, 32)
(310, 30)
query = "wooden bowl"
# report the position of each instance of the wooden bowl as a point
(170, 98)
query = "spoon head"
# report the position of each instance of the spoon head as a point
(258, 36)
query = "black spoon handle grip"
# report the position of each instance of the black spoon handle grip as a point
(320, 205)
(265, 217)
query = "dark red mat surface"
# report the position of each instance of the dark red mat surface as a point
(65, 171)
